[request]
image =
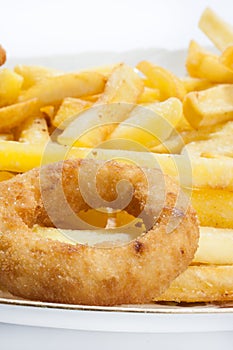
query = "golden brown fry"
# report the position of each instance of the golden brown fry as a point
(34, 74)
(165, 81)
(149, 125)
(218, 142)
(201, 284)
(205, 65)
(196, 84)
(215, 246)
(211, 207)
(10, 87)
(209, 107)
(218, 31)
(11, 116)
(226, 57)
(95, 124)
(54, 89)
(34, 131)
(149, 95)
(68, 110)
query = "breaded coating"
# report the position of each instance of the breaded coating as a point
(38, 268)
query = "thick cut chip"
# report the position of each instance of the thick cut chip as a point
(149, 95)
(54, 89)
(215, 246)
(178, 139)
(209, 107)
(10, 87)
(201, 284)
(226, 57)
(68, 110)
(150, 125)
(196, 172)
(21, 156)
(34, 74)
(166, 82)
(34, 131)
(196, 84)
(94, 125)
(218, 31)
(11, 116)
(205, 65)
(214, 207)
(217, 143)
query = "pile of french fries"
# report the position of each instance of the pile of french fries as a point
(146, 115)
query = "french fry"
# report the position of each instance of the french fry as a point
(106, 69)
(211, 208)
(205, 65)
(196, 84)
(179, 138)
(205, 173)
(53, 90)
(166, 82)
(217, 30)
(226, 57)
(201, 283)
(217, 143)
(149, 95)
(173, 145)
(34, 131)
(20, 157)
(68, 110)
(33, 74)
(123, 85)
(96, 124)
(209, 107)
(151, 124)
(215, 246)
(10, 87)
(11, 116)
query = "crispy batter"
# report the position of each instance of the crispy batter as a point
(2, 56)
(47, 270)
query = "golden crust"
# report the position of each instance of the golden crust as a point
(47, 270)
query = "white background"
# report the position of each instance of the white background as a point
(45, 27)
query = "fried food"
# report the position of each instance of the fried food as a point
(42, 269)
(202, 283)
(2, 56)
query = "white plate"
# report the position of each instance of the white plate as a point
(134, 319)
(152, 318)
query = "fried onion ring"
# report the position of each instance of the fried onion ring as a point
(37, 268)
(2, 56)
